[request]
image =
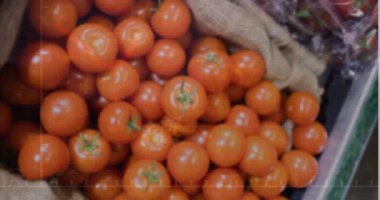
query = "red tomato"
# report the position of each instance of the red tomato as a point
(235, 93)
(275, 134)
(90, 152)
(20, 132)
(185, 40)
(43, 156)
(63, 113)
(81, 83)
(217, 109)
(97, 104)
(141, 67)
(135, 37)
(120, 81)
(178, 129)
(52, 18)
(311, 138)
(71, 177)
(102, 20)
(177, 194)
(245, 119)
(278, 198)
(113, 7)
(118, 153)
(172, 19)
(6, 118)
(250, 196)
(183, 99)
(197, 197)
(147, 100)
(104, 185)
(143, 9)
(260, 156)
(146, 180)
(200, 135)
(207, 43)
(83, 7)
(302, 108)
(120, 122)
(121, 196)
(263, 98)
(187, 162)
(36, 61)
(161, 81)
(249, 68)
(302, 168)
(191, 188)
(223, 184)
(167, 58)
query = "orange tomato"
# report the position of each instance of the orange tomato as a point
(278, 198)
(141, 67)
(217, 109)
(249, 68)
(245, 119)
(177, 194)
(71, 177)
(235, 93)
(20, 132)
(118, 153)
(263, 98)
(275, 134)
(83, 7)
(250, 196)
(84, 84)
(311, 138)
(102, 20)
(178, 129)
(143, 9)
(113, 7)
(207, 43)
(105, 184)
(147, 100)
(185, 40)
(200, 135)
(302, 108)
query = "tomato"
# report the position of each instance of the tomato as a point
(205, 44)
(278, 116)
(43, 156)
(275, 134)
(191, 188)
(6, 118)
(197, 197)
(223, 184)
(302, 168)
(249, 68)
(225, 145)
(263, 98)
(98, 103)
(52, 18)
(71, 177)
(278, 198)
(90, 152)
(83, 7)
(200, 135)
(177, 194)
(141, 67)
(161, 81)
(302, 108)
(118, 153)
(120, 122)
(147, 100)
(102, 20)
(272, 184)
(135, 37)
(167, 58)
(311, 138)
(146, 180)
(185, 40)
(104, 185)
(250, 196)
(172, 19)
(153, 143)
(63, 113)
(120, 81)
(235, 93)
(84, 84)
(260, 156)
(245, 119)
(178, 129)
(142, 8)
(217, 109)
(121, 196)
(113, 7)
(92, 47)
(183, 99)
(36, 61)
(20, 132)
(212, 69)
(187, 162)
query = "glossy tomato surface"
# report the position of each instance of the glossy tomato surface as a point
(81, 83)
(113, 7)
(218, 108)
(249, 68)
(20, 132)
(311, 138)
(106, 184)
(245, 119)
(263, 98)
(147, 100)
(275, 134)
(302, 108)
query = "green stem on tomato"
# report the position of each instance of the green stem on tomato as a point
(132, 123)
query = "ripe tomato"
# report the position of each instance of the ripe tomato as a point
(178, 129)
(250, 196)
(275, 134)
(187, 162)
(183, 99)
(120, 81)
(153, 143)
(161, 81)
(36, 61)
(147, 100)
(43, 156)
(212, 69)
(98, 103)
(235, 93)
(272, 184)
(6, 118)
(90, 152)
(205, 44)
(311, 138)
(225, 145)
(84, 84)
(105, 184)
(52, 18)
(82, 7)
(185, 40)
(63, 113)
(146, 180)
(278, 116)
(223, 184)
(113, 7)
(263, 98)
(167, 58)
(120, 122)
(121, 196)
(135, 37)
(19, 132)
(141, 67)
(200, 135)
(302, 108)
(92, 47)
(118, 153)
(278, 198)
(197, 197)
(249, 68)
(71, 177)
(172, 19)
(191, 188)
(260, 156)
(217, 109)
(142, 8)
(302, 168)
(245, 119)
(177, 194)
(102, 20)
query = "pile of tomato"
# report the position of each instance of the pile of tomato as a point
(135, 105)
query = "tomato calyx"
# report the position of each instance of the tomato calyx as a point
(132, 123)
(88, 145)
(211, 57)
(185, 97)
(153, 175)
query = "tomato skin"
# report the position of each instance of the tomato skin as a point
(200, 135)
(52, 151)
(235, 93)
(103, 185)
(191, 189)
(245, 119)
(311, 138)
(98, 103)
(302, 108)
(275, 134)
(141, 67)
(217, 109)
(278, 198)
(71, 177)
(302, 168)
(113, 7)
(82, 7)
(118, 153)
(167, 58)
(223, 184)
(249, 68)
(205, 44)
(120, 81)
(84, 84)
(147, 100)
(250, 196)
(141, 8)
(135, 37)
(172, 19)
(92, 47)
(177, 194)
(146, 180)
(121, 196)
(72, 115)
(43, 65)
(185, 40)
(187, 162)
(263, 98)
(178, 129)
(6, 118)
(20, 132)
(120, 122)
(102, 20)
(52, 18)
